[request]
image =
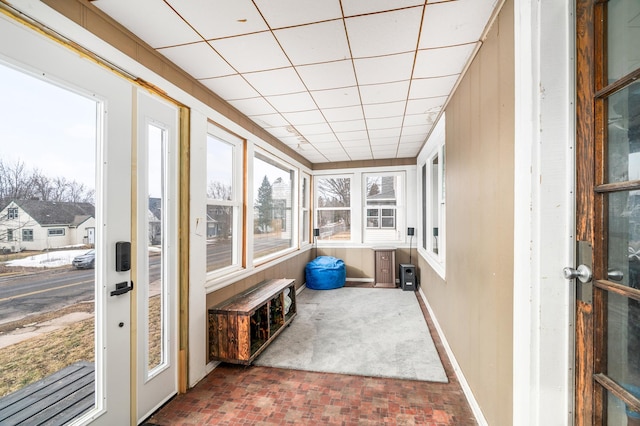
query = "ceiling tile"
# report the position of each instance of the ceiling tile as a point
(384, 123)
(323, 138)
(292, 103)
(410, 139)
(348, 126)
(252, 52)
(289, 13)
(384, 69)
(419, 119)
(391, 109)
(304, 117)
(439, 86)
(357, 137)
(330, 75)
(281, 81)
(315, 43)
(425, 105)
(417, 130)
(253, 106)
(347, 96)
(270, 120)
(219, 18)
(343, 114)
(308, 130)
(135, 17)
(382, 93)
(209, 63)
(230, 87)
(359, 156)
(384, 33)
(394, 133)
(359, 7)
(442, 61)
(337, 156)
(454, 22)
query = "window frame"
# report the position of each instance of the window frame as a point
(305, 210)
(12, 213)
(381, 232)
(432, 178)
(236, 203)
(292, 224)
(51, 233)
(27, 234)
(317, 209)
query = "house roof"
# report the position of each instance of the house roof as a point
(56, 212)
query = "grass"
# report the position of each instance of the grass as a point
(31, 360)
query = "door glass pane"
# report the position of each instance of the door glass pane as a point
(623, 134)
(618, 413)
(623, 337)
(156, 289)
(47, 238)
(623, 26)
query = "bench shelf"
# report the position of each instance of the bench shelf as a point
(243, 326)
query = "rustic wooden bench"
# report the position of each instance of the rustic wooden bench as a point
(56, 399)
(243, 326)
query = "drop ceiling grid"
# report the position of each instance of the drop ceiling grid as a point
(320, 75)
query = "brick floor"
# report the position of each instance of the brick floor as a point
(238, 395)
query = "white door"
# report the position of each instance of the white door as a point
(50, 65)
(156, 192)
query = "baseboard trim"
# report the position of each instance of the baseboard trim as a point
(475, 408)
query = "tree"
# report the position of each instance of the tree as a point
(264, 205)
(335, 192)
(19, 183)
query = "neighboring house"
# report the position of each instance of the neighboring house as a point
(41, 225)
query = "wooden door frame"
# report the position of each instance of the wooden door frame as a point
(587, 204)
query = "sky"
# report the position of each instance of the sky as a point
(46, 127)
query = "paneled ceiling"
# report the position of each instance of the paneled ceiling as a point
(336, 80)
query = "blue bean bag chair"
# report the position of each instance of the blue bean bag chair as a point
(325, 273)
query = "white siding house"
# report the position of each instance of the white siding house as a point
(42, 225)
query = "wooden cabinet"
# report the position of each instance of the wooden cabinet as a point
(242, 327)
(385, 268)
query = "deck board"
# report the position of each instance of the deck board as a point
(56, 399)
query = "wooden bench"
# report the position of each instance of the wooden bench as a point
(242, 327)
(56, 399)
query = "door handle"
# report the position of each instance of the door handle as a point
(583, 273)
(615, 275)
(122, 288)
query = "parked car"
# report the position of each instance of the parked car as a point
(85, 261)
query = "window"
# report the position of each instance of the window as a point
(27, 235)
(12, 213)
(55, 232)
(383, 195)
(381, 199)
(9, 234)
(333, 201)
(305, 214)
(433, 199)
(224, 202)
(273, 198)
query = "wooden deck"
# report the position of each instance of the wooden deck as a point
(54, 400)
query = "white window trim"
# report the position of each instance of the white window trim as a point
(397, 234)
(294, 202)
(354, 198)
(237, 199)
(305, 210)
(435, 147)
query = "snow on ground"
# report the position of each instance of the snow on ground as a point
(51, 259)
